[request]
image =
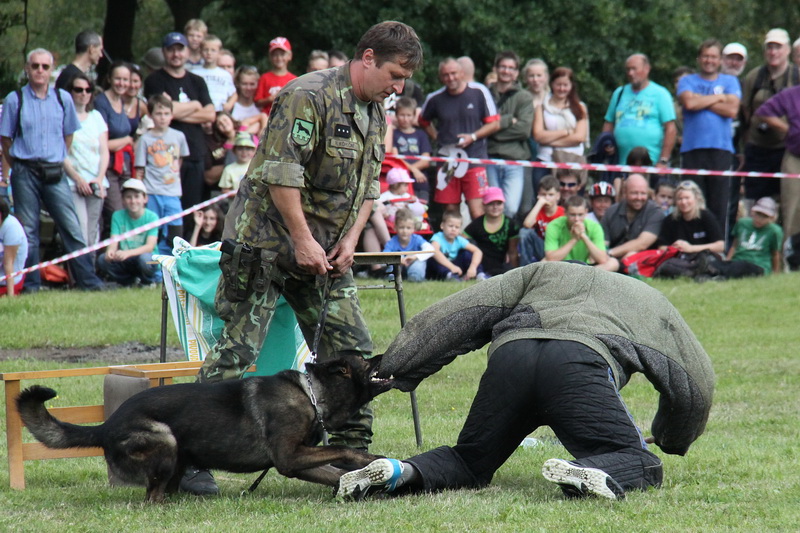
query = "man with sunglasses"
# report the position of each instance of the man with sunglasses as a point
(36, 130)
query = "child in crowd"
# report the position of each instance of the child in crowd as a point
(127, 260)
(408, 140)
(756, 248)
(495, 234)
(195, 31)
(208, 225)
(270, 83)
(601, 196)
(242, 106)
(665, 195)
(397, 196)
(158, 164)
(13, 250)
(244, 149)
(574, 237)
(219, 81)
(547, 208)
(454, 257)
(414, 266)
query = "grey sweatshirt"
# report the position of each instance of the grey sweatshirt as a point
(630, 324)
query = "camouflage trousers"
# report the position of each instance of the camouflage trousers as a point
(247, 323)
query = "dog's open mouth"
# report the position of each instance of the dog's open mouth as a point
(381, 382)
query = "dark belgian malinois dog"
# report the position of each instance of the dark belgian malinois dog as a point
(239, 425)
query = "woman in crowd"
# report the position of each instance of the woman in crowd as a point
(135, 105)
(561, 123)
(88, 157)
(243, 106)
(219, 139)
(208, 225)
(537, 78)
(110, 103)
(692, 229)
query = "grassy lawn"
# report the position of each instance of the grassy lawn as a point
(741, 475)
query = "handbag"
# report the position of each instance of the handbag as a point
(49, 173)
(646, 262)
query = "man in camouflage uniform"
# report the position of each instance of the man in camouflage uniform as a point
(301, 208)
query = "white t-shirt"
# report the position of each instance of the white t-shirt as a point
(241, 112)
(219, 82)
(12, 234)
(84, 154)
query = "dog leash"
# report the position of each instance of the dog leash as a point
(323, 314)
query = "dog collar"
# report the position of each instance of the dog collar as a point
(310, 392)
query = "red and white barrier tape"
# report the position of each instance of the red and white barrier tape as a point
(102, 244)
(596, 167)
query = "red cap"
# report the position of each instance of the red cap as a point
(280, 43)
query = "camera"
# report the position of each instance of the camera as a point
(95, 189)
(763, 127)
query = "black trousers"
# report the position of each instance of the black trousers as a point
(532, 383)
(716, 189)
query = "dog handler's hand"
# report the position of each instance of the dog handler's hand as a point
(341, 257)
(311, 257)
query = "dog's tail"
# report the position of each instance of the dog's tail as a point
(52, 432)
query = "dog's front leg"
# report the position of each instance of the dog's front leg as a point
(291, 462)
(324, 475)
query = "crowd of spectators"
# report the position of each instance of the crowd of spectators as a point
(187, 123)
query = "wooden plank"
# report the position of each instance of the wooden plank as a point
(80, 414)
(34, 451)
(61, 373)
(16, 468)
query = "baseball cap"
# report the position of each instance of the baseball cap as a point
(493, 194)
(244, 139)
(777, 35)
(174, 37)
(735, 48)
(280, 43)
(134, 185)
(765, 206)
(398, 175)
(602, 188)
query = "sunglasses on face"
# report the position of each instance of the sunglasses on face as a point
(568, 185)
(43, 66)
(78, 90)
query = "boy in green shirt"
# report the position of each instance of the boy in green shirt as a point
(129, 259)
(573, 237)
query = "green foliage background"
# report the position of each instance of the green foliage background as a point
(592, 36)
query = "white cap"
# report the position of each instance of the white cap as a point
(734, 48)
(777, 35)
(134, 184)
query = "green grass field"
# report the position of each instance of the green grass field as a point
(741, 475)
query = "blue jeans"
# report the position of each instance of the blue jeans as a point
(531, 247)
(30, 193)
(164, 206)
(510, 180)
(125, 272)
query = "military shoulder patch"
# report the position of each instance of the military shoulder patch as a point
(302, 130)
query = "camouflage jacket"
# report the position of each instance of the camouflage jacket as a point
(314, 143)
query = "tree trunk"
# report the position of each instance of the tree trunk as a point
(118, 30)
(185, 10)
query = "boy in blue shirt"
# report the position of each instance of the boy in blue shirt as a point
(407, 241)
(454, 257)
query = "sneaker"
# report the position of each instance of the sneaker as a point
(580, 481)
(482, 276)
(198, 482)
(383, 473)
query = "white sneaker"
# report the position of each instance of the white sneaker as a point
(581, 481)
(380, 472)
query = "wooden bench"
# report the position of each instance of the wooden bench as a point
(19, 451)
